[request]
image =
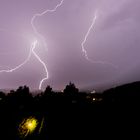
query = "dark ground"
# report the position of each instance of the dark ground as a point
(114, 114)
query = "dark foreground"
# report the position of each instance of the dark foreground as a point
(114, 114)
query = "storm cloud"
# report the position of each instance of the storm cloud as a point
(115, 39)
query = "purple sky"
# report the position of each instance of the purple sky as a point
(114, 39)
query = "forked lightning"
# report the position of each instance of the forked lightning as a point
(85, 40)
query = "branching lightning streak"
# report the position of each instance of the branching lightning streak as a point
(43, 13)
(39, 59)
(38, 34)
(19, 66)
(85, 40)
(34, 44)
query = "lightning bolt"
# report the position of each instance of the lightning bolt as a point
(85, 40)
(34, 45)
(43, 13)
(43, 63)
(38, 34)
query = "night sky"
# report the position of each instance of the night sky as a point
(114, 40)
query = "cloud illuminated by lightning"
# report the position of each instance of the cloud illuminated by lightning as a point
(32, 51)
(19, 66)
(39, 36)
(2, 29)
(34, 45)
(85, 40)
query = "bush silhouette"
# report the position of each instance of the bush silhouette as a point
(71, 89)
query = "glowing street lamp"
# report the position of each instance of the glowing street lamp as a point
(31, 124)
(28, 126)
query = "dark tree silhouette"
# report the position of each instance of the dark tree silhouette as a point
(48, 90)
(2, 95)
(71, 89)
(20, 97)
(23, 91)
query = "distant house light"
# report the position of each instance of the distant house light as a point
(93, 92)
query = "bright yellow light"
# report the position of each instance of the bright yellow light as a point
(27, 126)
(94, 99)
(31, 124)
